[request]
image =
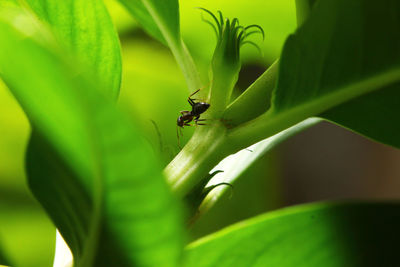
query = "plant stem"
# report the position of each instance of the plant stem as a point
(257, 96)
(186, 64)
(275, 120)
(204, 150)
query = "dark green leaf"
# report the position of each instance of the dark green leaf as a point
(331, 235)
(341, 45)
(112, 195)
(372, 115)
(344, 50)
(375, 115)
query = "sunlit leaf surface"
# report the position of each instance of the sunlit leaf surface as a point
(116, 195)
(85, 27)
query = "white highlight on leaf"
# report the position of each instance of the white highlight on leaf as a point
(63, 256)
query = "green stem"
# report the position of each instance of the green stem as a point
(207, 146)
(222, 84)
(177, 46)
(275, 121)
(257, 96)
(186, 64)
(211, 144)
(204, 150)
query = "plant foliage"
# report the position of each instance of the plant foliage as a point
(93, 171)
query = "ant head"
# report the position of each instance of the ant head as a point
(180, 121)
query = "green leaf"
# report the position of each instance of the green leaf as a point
(372, 115)
(85, 27)
(161, 19)
(233, 166)
(375, 115)
(344, 50)
(112, 194)
(332, 235)
(321, 59)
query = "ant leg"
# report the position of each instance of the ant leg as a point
(197, 122)
(197, 119)
(184, 112)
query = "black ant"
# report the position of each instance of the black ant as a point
(188, 116)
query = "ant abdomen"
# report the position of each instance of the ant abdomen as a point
(199, 108)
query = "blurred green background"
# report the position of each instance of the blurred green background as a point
(325, 162)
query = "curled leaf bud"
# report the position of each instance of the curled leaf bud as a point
(225, 64)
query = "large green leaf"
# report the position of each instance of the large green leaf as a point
(111, 195)
(85, 27)
(373, 115)
(331, 235)
(337, 49)
(344, 50)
